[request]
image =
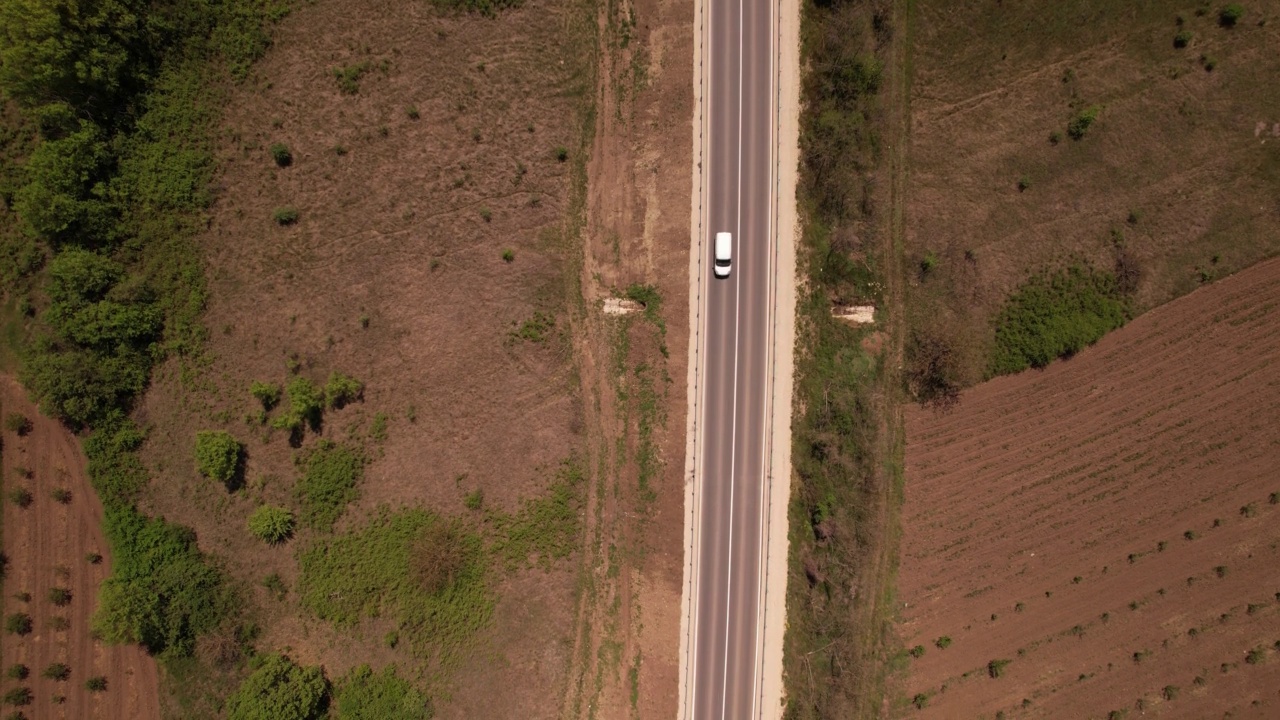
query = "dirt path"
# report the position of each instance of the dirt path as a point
(48, 544)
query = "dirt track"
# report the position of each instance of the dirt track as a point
(47, 544)
(1049, 505)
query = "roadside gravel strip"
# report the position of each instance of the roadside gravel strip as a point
(786, 47)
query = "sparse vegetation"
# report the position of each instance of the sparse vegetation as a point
(1230, 15)
(1080, 123)
(365, 695)
(62, 496)
(271, 524)
(348, 76)
(275, 586)
(19, 697)
(17, 671)
(59, 596)
(21, 497)
(57, 671)
(1183, 38)
(1170, 692)
(17, 423)
(1256, 656)
(995, 668)
(943, 642)
(537, 328)
(916, 652)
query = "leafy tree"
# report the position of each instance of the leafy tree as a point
(74, 51)
(78, 386)
(365, 695)
(306, 405)
(66, 193)
(271, 524)
(279, 690)
(217, 455)
(18, 624)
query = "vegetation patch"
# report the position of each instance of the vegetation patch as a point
(330, 473)
(365, 695)
(218, 456)
(544, 529)
(1055, 315)
(371, 571)
(271, 524)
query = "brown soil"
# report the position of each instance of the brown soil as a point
(47, 544)
(626, 663)
(394, 274)
(1171, 169)
(1045, 519)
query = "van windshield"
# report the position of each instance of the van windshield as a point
(722, 263)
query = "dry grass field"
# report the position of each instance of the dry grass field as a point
(1175, 179)
(1101, 539)
(431, 181)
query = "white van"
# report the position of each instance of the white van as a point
(724, 254)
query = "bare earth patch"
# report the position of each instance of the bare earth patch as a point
(1107, 525)
(48, 544)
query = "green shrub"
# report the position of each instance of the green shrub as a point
(562, 153)
(59, 596)
(218, 455)
(286, 215)
(96, 684)
(271, 524)
(916, 652)
(17, 671)
(19, 696)
(62, 496)
(341, 390)
(277, 689)
(21, 497)
(508, 255)
(378, 428)
(474, 499)
(365, 695)
(1170, 692)
(163, 592)
(281, 154)
(943, 642)
(995, 668)
(18, 624)
(1230, 15)
(330, 474)
(1083, 120)
(57, 671)
(412, 112)
(348, 76)
(306, 406)
(1055, 315)
(1183, 38)
(17, 423)
(537, 328)
(920, 701)
(267, 393)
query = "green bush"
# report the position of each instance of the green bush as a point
(281, 154)
(306, 406)
(1082, 121)
(943, 642)
(18, 624)
(285, 215)
(1183, 39)
(365, 695)
(65, 199)
(57, 671)
(163, 592)
(19, 696)
(218, 455)
(267, 393)
(17, 423)
(995, 668)
(508, 255)
(96, 684)
(341, 390)
(59, 596)
(271, 524)
(348, 76)
(277, 689)
(330, 474)
(1055, 315)
(21, 497)
(17, 671)
(1230, 15)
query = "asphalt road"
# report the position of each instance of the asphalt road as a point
(728, 623)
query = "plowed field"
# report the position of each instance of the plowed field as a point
(1108, 525)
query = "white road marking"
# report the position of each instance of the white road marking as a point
(733, 444)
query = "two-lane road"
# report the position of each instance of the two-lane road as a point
(725, 683)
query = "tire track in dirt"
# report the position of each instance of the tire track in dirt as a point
(1106, 524)
(47, 545)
